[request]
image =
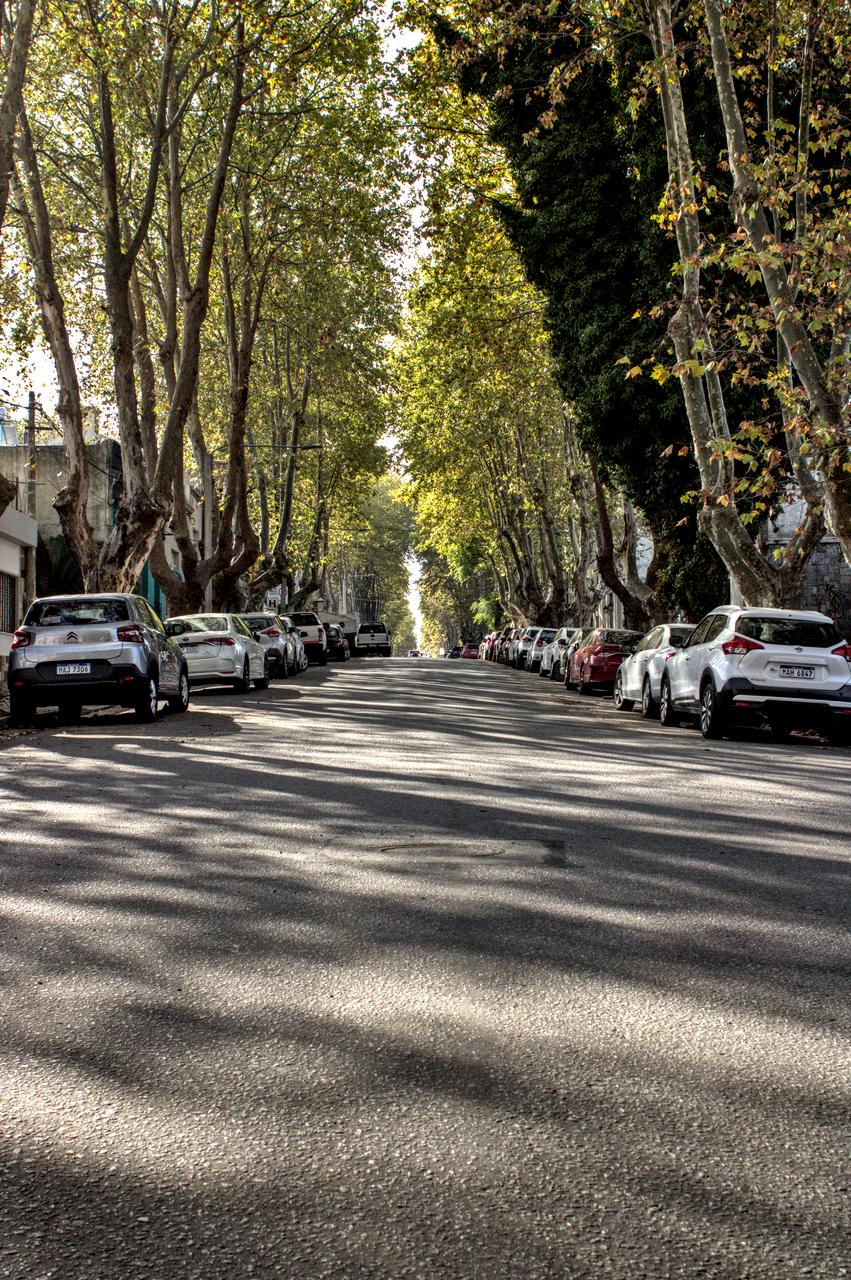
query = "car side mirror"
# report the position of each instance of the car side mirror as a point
(176, 629)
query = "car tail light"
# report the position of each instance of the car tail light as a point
(538, 644)
(131, 635)
(270, 631)
(842, 651)
(21, 639)
(739, 646)
(669, 655)
(225, 640)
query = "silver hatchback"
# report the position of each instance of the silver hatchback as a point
(78, 651)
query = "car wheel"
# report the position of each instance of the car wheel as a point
(323, 658)
(179, 702)
(621, 703)
(21, 709)
(554, 672)
(263, 682)
(583, 686)
(284, 668)
(649, 705)
(243, 684)
(667, 714)
(148, 704)
(711, 718)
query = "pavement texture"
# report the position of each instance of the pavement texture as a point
(426, 970)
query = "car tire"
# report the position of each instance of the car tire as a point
(712, 720)
(265, 679)
(554, 672)
(649, 705)
(21, 709)
(621, 703)
(584, 688)
(179, 702)
(284, 668)
(243, 684)
(667, 715)
(147, 705)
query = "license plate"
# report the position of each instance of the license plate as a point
(190, 648)
(798, 673)
(73, 668)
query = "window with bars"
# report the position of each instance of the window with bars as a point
(8, 602)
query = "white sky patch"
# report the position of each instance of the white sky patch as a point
(413, 593)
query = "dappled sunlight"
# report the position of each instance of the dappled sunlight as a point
(248, 951)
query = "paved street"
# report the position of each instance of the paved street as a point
(421, 970)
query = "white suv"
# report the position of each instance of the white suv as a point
(373, 637)
(777, 666)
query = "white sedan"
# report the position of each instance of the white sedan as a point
(639, 678)
(220, 649)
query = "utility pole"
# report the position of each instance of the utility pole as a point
(207, 478)
(29, 552)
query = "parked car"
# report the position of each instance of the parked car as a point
(454, 652)
(502, 643)
(510, 646)
(266, 628)
(551, 651)
(785, 668)
(566, 651)
(595, 662)
(639, 677)
(470, 650)
(373, 637)
(219, 649)
(296, 654)
(536, 649)
(523, 645)
(414, 653)
(76, 651)
(313, 635)
(338, 645)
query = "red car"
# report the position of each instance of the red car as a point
(470, 650)
(595, 663)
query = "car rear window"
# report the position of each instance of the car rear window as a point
(305, 619)
(547, 635)
(258, 619)
(620, 637)
(367, 628)
(76, 612)
(803, 632)
(210, 622)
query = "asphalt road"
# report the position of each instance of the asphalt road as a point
(422, 970)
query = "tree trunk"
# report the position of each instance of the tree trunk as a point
(12, 100)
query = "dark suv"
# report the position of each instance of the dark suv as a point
(80, 651)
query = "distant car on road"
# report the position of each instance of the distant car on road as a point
(454, 652)
(595, 663)
(76, 651)
(470, 650)
(338, 645)
(781, 667)
(220, 649)
(296, 654)
(373, 637)
(536, 649)
(414, 653)
(266, 628)
(313, 634)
